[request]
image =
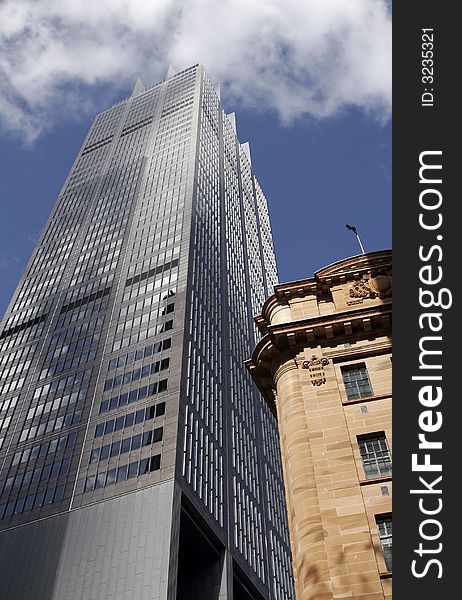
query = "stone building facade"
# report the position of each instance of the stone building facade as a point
(324, 366)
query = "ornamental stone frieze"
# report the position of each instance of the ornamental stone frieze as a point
(377, 286)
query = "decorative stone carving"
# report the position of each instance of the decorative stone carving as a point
(316, 367)
(359, 289)
(379, 285)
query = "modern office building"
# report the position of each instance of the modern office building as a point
(324, 365)
(137, 457)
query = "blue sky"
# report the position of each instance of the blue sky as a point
(310, 84)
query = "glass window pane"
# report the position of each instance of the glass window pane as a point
(155, 463)
(136, 442)
(104, 452)
(384, 525)
(94, 456)
(111, 477)
(122, 473)
(49, 496)
(132, 470)
(90, 483)
(356, 381)
(375, 455)
(125, 446)
(59, 493)
(115, 449)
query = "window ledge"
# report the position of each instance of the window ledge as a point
(368, 399)
(376, 480)
(385, 575)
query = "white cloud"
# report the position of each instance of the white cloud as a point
(314, 57)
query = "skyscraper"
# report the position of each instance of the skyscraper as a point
(137, 457)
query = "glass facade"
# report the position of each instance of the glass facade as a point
(122, 349)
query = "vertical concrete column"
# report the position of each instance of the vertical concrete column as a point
(312, 577)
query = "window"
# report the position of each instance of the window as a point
(375, 455)
(385, 534)
(158, 434)
(356, 380)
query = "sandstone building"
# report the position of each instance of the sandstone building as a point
(324, 366)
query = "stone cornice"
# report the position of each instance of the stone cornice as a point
(283, 341)
(341, 272)
(360, 351)
(355, 266)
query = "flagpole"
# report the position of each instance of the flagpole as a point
(355, 231)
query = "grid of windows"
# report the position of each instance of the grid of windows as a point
(203, 461)
(131, 357)
(142, 109)
(65, 442)
(32, 501)
(105, 124)
(56, 403)
(125, 445)
(274, 481)
(147, 317)
(55, 347)
(375, 455)
(65, 396)
(59, 249)
(283, 586)
(167, 280)
(144, 334)
(356, 381)
(384, 525)
(25, 318)
(226, 235)
(21, 335)
(85, 237)
(258, 290)
(77, 360)
(122, 472)
(152, 272)
(63, 382)
(90, 309)
(87, 293)
(71, 417)
(133, 376)
(129, 419)
(133, 396)
(266, 238)
(45, 473)
(5, 405)
(97, 261)
(38, 286)
(7, 408)
(15, 366)
(32, 480)
(248, 480)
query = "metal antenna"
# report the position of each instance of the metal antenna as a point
(355, 231)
